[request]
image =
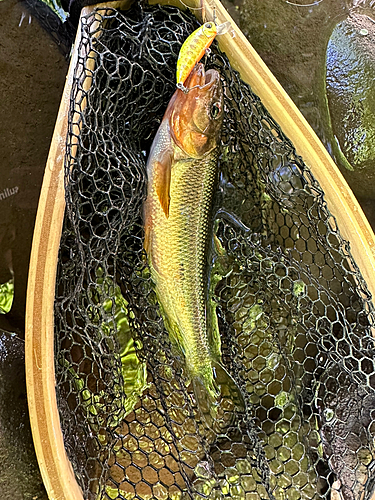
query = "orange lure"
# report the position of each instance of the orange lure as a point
(194, 48)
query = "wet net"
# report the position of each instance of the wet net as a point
(294, 313)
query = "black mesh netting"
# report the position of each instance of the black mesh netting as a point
(294, 313)
(62, 33)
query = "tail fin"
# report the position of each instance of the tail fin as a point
(219, 404)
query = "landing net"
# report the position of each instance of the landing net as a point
(294, 312)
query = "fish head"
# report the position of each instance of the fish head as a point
(197, 116)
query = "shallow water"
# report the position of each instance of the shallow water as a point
(293, 40)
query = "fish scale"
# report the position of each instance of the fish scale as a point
(183, 237)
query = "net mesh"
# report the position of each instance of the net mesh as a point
(294, 313)
(62, 33)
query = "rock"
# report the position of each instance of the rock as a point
(350, 73)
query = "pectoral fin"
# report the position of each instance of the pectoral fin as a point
(147, 241)
(162, 178)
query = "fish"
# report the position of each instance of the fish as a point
(194, 48)
(182, 174)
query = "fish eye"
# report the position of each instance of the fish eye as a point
(215, 110)
(208, 25)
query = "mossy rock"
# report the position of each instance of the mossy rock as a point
(350, 74)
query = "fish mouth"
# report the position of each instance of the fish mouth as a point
(199, 78)
(210, 78)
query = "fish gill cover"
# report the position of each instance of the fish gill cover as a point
(294, 313)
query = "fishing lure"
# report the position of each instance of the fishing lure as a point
(194, 48)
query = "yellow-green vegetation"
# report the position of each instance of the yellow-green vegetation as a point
(113, 321)
(55, 5)
(134, 372)
(298, 288)
(270, 384)
(6, 296)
